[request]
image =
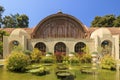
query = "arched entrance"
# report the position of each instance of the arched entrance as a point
(41, 46)
(13, 44)
(80, 48)
(106, 47)
(59, 51)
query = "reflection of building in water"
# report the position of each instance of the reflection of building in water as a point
(61, 34)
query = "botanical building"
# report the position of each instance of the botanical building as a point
(62, 34)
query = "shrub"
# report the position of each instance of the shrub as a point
(62, 66)
(107, 62)
(27, 52)
(86, 58)
(47, 59)
(73, 60)
(41, 70)
(17, 62)
(36, 55)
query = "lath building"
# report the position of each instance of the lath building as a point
(62, 34)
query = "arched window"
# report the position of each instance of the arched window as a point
(41, 46)
(13, 44)
(106, 47)
(59, 50)
(60, 47)
(80, 47)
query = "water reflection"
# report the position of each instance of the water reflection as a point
(100, 75)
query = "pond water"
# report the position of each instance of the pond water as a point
(102, 75)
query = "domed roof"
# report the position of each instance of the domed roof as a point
(19, 33)
(100, 32)
(61, 25)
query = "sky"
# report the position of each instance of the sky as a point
(84, 10)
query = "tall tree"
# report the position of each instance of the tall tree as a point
(15, 21)
(1, 11)
(106, 21)
(117, 22)
(22, 21)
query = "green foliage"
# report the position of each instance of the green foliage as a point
(1, 11)
(107, 62)
(86, 58)
(106, 21)
(40, 70)
(74, 60)
(3, 33)
(17, 61)
(49, 53)
(36, 55)
(28, 52)
(15, 21)
(48, 59)
(62, 66)
(17, 49)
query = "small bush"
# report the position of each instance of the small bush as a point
(74, 60)
(49, 53)
(86, 58)
(41, 70)
(28, 52)
(107, 62)
(47, 59)
(62, 66)
(17, 62)
(36, 56)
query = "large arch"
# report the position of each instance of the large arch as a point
(80, 48)
(106, 47)
(41, 46)
(59, 26)
(60, 48)
(59, 51)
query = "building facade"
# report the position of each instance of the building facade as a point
(62, 33)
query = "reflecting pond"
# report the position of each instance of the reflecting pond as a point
(101, 75)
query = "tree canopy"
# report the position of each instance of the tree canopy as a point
(106, 21)
(1, 11)
(15, 21)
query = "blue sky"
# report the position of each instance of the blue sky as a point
(84, 10)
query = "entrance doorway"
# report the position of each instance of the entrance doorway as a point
(60, 51)
(41, 46)
(80, 48)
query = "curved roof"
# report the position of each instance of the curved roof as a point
(19, 32)
(100, 32)
(59, 16)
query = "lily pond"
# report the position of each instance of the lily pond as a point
(78, 75)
